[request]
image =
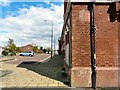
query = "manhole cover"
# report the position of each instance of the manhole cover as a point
(5, 72)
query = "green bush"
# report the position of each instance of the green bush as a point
(8, 52)
(11, 54)
(5, 53)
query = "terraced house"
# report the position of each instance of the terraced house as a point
(78, 42)
(26, 48)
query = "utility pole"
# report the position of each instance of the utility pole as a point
(54, 46)
(93, 44)
(52, 40)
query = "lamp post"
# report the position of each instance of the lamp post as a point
(51, 38)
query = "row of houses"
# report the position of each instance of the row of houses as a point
(28, 47)
(75, 43)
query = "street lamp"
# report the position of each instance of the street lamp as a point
(51, 38)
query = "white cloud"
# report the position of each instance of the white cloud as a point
(30, 27)
(47, 1)
(4, 2)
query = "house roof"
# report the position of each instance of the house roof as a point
(27, 45)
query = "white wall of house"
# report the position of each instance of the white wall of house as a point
(67, 54)
(1, 50)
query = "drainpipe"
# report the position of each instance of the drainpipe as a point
(93, 44)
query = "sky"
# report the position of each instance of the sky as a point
(25, 21)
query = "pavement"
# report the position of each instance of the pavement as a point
(36, 73)
(30, 74)
(7, 58)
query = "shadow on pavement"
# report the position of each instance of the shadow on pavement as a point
(50, 68)
(27, 63)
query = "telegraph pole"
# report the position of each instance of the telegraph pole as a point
(52, 40)
(54, 45)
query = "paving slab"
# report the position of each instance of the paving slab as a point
(42, 74)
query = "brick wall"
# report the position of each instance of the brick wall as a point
(80, 36)
(26, 48)
(119, 44)
(107, 45)
(106, 35)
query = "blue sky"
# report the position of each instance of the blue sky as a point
(25, 22)
(15, 6)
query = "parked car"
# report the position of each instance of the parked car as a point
(27, 53)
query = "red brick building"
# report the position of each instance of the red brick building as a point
(75, 43)
(26, 48)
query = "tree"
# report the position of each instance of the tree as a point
(44, 50)
(11, 45)
(10, 41)
(5, 52)
(8, 52)
(10, 49)
(48, 49)
(35, 49)
(41, 48)
(17, 49)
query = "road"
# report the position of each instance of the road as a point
(36, 58)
